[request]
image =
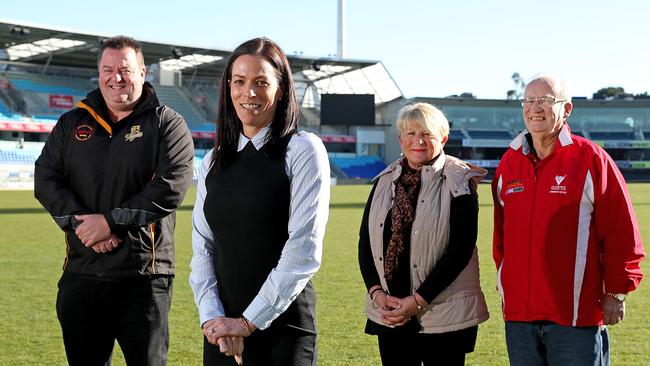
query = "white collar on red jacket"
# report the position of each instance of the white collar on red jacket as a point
(521, 141)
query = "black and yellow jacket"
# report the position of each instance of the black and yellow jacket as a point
(135, 172)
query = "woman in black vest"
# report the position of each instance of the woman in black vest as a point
(259, 218)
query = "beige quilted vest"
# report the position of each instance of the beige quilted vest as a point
(462, 304)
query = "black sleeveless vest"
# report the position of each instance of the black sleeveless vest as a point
(247, 207)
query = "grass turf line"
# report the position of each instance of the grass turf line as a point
(32, 250)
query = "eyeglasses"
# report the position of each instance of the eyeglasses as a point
(545, 101)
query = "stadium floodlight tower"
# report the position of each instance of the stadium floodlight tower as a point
(340, 44)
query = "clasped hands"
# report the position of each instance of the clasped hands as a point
(397, 311)
(94, 233)
(228, 334)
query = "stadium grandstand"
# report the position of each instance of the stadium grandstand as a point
(45, 71)
(482, 129)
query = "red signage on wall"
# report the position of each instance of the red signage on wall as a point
(26, 127)
(61, 101)
(339, 139)
(203, 135)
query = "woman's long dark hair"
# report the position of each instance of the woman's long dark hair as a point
(287, 114)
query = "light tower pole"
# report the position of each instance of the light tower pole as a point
(340, 44)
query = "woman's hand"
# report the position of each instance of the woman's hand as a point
(228, 334)
(223, 327)
(385, 301)
(232, 346)
(401, 310)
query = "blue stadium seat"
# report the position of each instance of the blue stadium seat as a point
(36, 87)
(366, 167)
(4, 110)
(46, 118)
(18, 157)
(41, 86)
(612, 135)
(172, 97)
(490, 134)
(456, 135)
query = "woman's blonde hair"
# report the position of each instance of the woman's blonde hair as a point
(424, 117)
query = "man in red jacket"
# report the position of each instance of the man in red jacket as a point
(566, 239)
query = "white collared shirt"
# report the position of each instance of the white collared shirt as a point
(307, 167)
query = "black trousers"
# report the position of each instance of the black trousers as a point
(94, 313)
(270, 347)
(445, 349)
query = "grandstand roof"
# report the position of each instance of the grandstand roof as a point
(515, 103)
(46, 46)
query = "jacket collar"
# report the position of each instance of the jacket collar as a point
(564, 139)
(95, 105)
(148, 100)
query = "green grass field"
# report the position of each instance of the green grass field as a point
(32, 250)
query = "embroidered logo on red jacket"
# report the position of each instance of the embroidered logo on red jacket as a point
(558, 188)
(514, 186)
(83, 132)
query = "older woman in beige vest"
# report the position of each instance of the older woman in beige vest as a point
(417, 249)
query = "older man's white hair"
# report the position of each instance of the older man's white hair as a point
(559, 86)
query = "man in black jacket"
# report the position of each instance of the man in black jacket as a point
(111, 174)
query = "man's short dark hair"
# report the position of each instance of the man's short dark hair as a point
(119, 42)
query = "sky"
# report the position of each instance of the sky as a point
(431, 48)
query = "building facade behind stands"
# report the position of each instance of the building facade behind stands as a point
(482, 129)
(36, 88)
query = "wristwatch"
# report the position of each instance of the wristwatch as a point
(619, 297)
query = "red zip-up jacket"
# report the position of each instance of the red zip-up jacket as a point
(565, 232)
